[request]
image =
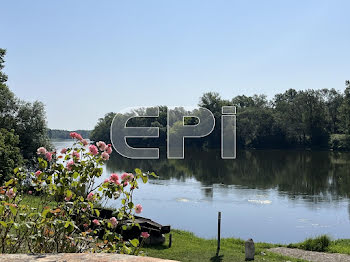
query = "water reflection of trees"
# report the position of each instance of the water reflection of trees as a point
(315, 176)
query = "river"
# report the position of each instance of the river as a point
(268, 195)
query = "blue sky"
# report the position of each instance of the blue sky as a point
(86, 58)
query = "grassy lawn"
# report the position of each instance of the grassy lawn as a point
(187, 247)
(37, 201)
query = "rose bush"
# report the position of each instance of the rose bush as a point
(68, 218)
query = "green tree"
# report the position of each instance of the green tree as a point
(214, 103)
(31, 128)
(101, 131)
(3, 77)
(26, 119)
(10, 156)
(8, 103)
(344, 110)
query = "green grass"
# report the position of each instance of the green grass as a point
(187, 247)
(324, 244)
(340, 246)
(37, 201)
(319, 244)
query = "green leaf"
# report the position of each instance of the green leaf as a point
(13, 210)
(75, 175)
(97, 212)
(69, 193)
(134, 242)
(3, 224)
(138, 171)
(9, 182)
(45, 212)
(154, 175)
(144, 179)
(70, 228)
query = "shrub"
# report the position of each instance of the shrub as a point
(319, 244)
(74, 223)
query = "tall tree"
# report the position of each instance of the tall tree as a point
(344, 110)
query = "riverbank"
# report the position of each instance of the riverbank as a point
(188, 247)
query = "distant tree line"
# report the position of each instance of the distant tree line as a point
(64, 134)
(306, 119)
(22, 128)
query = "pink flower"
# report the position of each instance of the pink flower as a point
(101, 145)
(85, 142)
(10, 193)
(64, 150)
(138, 209)
(124, 176)
(48, 156)
(127, 177)
(96, 222)
(69, 165)
(90, 196)
(108, 149)
(145, 235)
(76, 135)
(68, 198)
(85, 225)
(41, 151)
(37, 173)
(76, 155)
(105, 156)
(106, 180)
(30, 192)
(93, 150)
(125, 183)
(114, 178)
(114, 221)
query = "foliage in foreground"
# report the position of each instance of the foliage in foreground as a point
(66, 218)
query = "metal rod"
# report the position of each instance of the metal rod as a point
(170, 240)
(219, 233)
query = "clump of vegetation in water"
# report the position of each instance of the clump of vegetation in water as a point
(71, 223)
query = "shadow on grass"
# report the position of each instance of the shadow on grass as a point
(217, 258)
(156, 247)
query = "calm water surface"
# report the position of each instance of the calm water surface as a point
(272, 196)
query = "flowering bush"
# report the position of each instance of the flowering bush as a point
(67, 219)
